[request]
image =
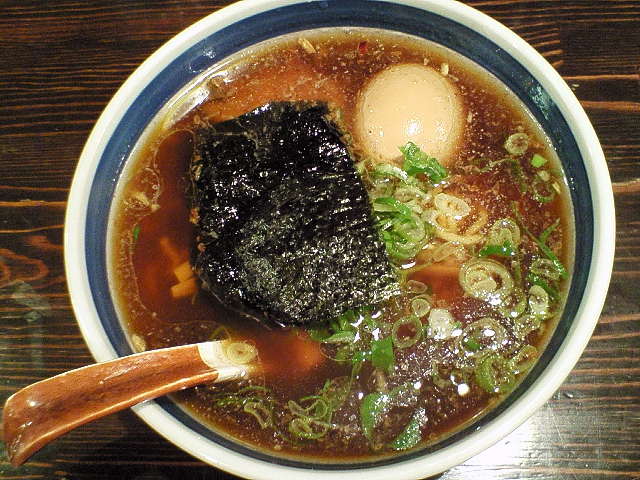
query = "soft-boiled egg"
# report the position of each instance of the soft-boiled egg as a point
(409, 102)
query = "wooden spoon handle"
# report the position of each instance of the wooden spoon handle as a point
(39, 413)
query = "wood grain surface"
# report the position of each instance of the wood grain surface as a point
(61, 61)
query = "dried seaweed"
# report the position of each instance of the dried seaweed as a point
(285, 230)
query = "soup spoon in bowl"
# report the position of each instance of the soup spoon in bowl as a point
(40, 413)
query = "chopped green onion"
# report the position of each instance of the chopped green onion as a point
(414, 286)
(411, 193)
(543, 267)
(440, 324)
(220, 333)
(542, 242)
(524, 359)
(387, 170)
(524, 325)
(335, 391)
(504, 230)
(420, 306)
(136, 232)
(517, 143)
(317, 407)
(483, 165)
(485, 335)
(538, 301)
(504, 250)
(260, 412)
(516, 170)
(382, 355)
(537, 280)
(308, 429)
(383, 204)
(544, 175)
(538, 160)
(318, 334)
(542, 192)
(411, 323)
(471, 344)
(556, 261)
(544, 236)
(372, 409)
(494, 375)
(341, 337)
(412, 434)
(514, 304)
(478, 277)
(241, 352)
(416, 161)
(404, 237)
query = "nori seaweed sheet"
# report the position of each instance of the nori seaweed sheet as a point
(284, 224)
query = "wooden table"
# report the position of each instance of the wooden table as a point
(61, 61)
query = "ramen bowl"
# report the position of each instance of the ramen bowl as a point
(453, 25)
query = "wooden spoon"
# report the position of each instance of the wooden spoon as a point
(39, 413)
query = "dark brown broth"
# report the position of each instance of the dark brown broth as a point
(142, 269)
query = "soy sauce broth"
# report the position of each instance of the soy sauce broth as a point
(151, 236)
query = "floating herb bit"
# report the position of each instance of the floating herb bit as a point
(504, 250)
(544, 284)
(382, 356)
(390, 204)
(494, 375)
(136, 232)
(518, 173)
(538, 160)
(372, 409)
(411, 435)
(406, 331)
(517, 143)
(542, 242)
(416, 161)
(542, 191)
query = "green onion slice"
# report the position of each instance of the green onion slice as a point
(382, 355)
(416, 161)
(542, 242)
(390, 204)
(524, 359)
(486, 279)
(538, 160)
(420, 306)
(308, 429)
(493, 374)
(525, 324)
(410, 324)
(542, 192)
(387, 170)
(136, 232)
(504, 230)
(517, 143)
(341, 337)
(412, 434)
(260, 412)
(504, 250)
(372, 409)
(541, 282)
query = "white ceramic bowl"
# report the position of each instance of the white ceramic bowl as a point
(450, 23)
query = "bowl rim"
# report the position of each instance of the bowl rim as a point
(429, 464)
